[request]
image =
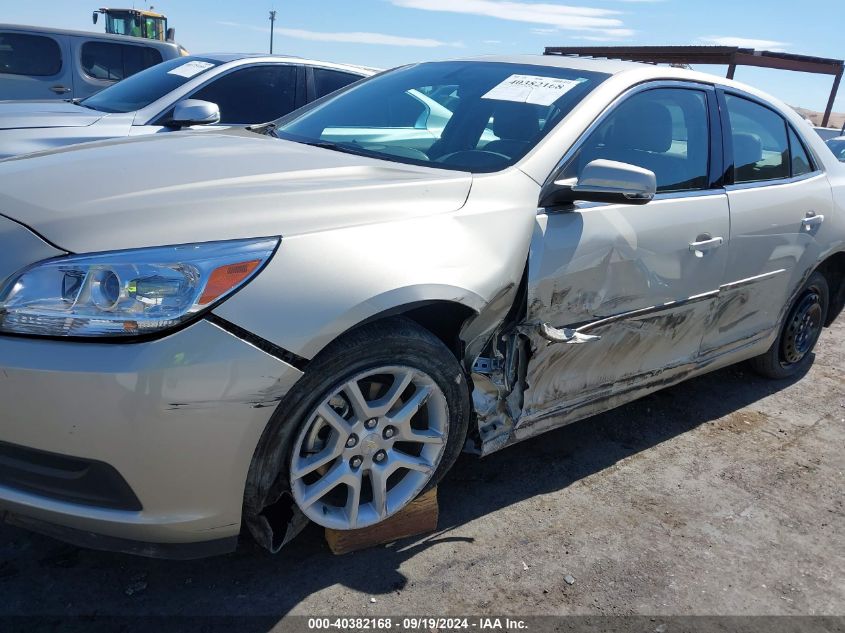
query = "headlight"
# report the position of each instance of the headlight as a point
(128, 293)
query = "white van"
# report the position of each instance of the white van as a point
(42, 63)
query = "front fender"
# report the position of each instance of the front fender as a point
(319, 285)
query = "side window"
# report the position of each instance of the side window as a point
(800, 160)
(113, 62)
(252, 95)
(327, 81)
(102, 61)
(665, 130)
(32, 55)
(138, 58)
(761, 149)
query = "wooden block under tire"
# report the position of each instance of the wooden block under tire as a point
(418, 517)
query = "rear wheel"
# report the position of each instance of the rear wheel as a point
(791, 352)
(380, 416)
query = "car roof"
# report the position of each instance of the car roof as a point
(226, 58)
(608, 66)
(90, 34)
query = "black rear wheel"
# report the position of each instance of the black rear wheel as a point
(791, 352)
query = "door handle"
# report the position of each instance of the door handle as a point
(705, 243)
(811, 221)
(60, 90)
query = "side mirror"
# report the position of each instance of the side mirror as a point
(171, 34)
(95, 16)
(194, 112)
(604, 181)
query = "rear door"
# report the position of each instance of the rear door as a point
(637, 282)
(779, 199)
(35, 66)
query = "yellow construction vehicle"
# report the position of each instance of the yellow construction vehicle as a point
(136, 22)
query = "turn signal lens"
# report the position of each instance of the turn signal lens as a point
(225, 278)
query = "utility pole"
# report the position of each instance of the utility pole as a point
(272, 26)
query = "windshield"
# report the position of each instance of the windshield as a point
(141, 89)
(837, 146)
(468, 116)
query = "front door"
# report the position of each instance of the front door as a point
(631, 286)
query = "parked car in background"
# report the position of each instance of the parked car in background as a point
(828, 133)
(42, 63)
(837, 146)
(311, 319)
(226, 89)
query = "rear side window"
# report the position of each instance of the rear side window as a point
(113, 62)
(761, 148)
(800, 160)
(327, 81)
(33, 55)
(252, 95)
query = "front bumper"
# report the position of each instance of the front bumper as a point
(177, 419)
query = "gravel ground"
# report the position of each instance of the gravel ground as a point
(723, 495)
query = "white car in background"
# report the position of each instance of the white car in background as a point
(837, 146)
(226, 89)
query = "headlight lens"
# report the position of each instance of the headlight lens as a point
(128, 293)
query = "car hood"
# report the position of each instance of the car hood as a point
(30, 114)
(187, 187)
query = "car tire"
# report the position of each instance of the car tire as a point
(271, 512)
(792, 351)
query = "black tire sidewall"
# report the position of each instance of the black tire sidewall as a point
(397, 341)
(771, 364)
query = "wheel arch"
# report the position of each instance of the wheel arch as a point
(833, 269)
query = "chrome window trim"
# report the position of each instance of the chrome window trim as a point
(624, 96)
(579, 206)
(773, 183)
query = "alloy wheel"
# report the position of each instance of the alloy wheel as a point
(369, 448)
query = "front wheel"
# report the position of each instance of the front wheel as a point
(791, 352)
(379, 416)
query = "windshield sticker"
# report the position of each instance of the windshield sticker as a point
(189, 69)
(532, 89)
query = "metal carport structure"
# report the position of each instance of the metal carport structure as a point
(730, 56)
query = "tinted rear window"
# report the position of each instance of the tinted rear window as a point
(32, 55)
(327, 81)
(113, 62)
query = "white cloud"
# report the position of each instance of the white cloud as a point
(353, 37)
(557, 15)
(744, 42)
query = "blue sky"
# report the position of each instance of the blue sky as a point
(386, 33)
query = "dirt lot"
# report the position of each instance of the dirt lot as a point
(723, 495)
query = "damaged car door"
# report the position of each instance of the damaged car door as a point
(619, 295)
